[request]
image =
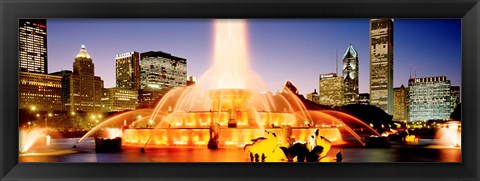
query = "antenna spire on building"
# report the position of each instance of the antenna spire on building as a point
(410, 67)
(336, 62)
(415, 69)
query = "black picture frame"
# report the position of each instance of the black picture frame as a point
(11, 11)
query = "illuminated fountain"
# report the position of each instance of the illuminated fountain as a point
(27, 138)
(228, 107)
(449, 134)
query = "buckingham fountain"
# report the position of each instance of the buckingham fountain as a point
(229, 106)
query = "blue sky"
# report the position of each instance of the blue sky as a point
(290, 49)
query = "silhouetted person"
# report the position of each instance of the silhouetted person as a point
(263, 157)
(339, 156)
(251, 157)
(256, 157)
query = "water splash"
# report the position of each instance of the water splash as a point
(449, 134)
(29, 137)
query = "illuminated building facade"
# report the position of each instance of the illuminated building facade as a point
(455, 92)
(81, 89)
(159, 70)
(117, 99)
(331, 89)
(429, 98)
(350, 76)
(381, 64)
(400, 103)
(41, 92)
(313, 96)
(148, 97)
(32, 41)
(128, 70)
(364, 98)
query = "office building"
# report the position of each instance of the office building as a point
(147, 98)
(350, 76)
(381, 64)
(364, 98)
(429, 98)
(81, 89)
(160, 70)
(40, 92)
(455, 92)
(400, 104)
(313, 96)
(32, 45)
(331, 89)
(128, 70)
(117, 99)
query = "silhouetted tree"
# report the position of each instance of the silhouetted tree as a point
(457, 113)
(370, 115)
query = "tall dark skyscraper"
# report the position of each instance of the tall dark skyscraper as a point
(32, 41)
(381, 64)
(160, 70)
(128, 70)
(350, 76)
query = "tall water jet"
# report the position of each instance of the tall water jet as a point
(29, 137)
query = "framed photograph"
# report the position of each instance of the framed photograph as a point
(365, 90)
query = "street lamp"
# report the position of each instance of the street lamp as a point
(29, 123)
(33, 108)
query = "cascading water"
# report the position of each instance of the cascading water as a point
(229, 95)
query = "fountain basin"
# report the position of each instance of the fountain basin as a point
(227, 137)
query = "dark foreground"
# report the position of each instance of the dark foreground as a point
(60, 150)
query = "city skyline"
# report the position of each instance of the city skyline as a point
(432, 46)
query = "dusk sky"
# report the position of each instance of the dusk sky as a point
(291, 49)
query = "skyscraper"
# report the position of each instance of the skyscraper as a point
(381, 64)
(160, 70)
(429, 98)
(117, 99)
(313, 96)
(81, 89)
(455, 92)
(400, 104)
(364, 98)
(331, 89)
(350, 76)
(42, 92)
(128, 70)
(32, 49)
